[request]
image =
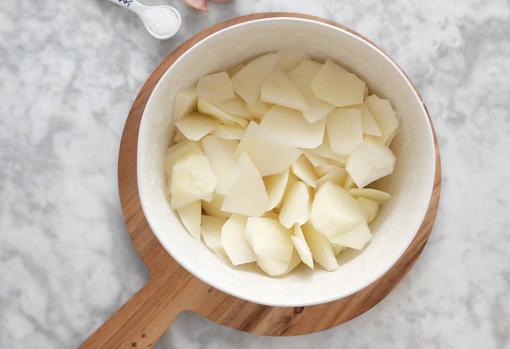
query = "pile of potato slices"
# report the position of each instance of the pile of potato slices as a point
(272, 160)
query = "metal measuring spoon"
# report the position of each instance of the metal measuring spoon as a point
(161, 21)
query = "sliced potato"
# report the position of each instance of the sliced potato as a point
(180, 150)
(211, 233)
(356, 237)
(321, 249)
(215, 87)
(288, 59)
(295, 260)
(348, 183)
(325, 151)
(234, 243)
(337, 249)
(331, 173)
(249, 80)
(384, 116)
(258, 143)
(221, 155)
(369, 193)
(234, 106)
(271, 243)
(344, 130)
(179, 137)
(369, 207)
(185, 102)
(275, 186)
(190, 217)
(304, 170)
(296, 206)
(367, 121)
(334, 210)
(273, 267)
(302, 76)
(195, 126)
(192, 179)
(291, 128)
(301, 246)
(315, 160)
(258, 109)
(335, 85)
(208, 108)
(279, 89)
(213, 208)
(228, 132)
(369, 162)
(246, 194)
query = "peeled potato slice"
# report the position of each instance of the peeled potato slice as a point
(179, 137)
(369, 162)
(301, 246)
(369, 207)
(234, 243)
(249, 80)
(296, 206)
(221, 155)
(369, 193)
(275, 186)
(330, 173)
(271, 243)
(367, 121)
(288, 59)
(337, 249)
(295, 260)
(337, 86)
(185, 102)
(321, 249)
(215, 87)
(302, 76)
(213, 207)
(357, 237)
(192, 179)
(246, 194)
(195, 126)
(208, 108)
(384, 116)
(190, 217)
(258, 109)
(348, 183)
(279, 89)
(303, 169)
(315, 160)
(180, 150)
(324, 150)
(273, 267)
(258, 143)
(228, 132)
(344, 130)
(234, 106)
(334, 210)
(211, 233)
(291, 128)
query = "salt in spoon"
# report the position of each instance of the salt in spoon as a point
(161, 21)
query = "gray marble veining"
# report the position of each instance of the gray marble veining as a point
(69, 72)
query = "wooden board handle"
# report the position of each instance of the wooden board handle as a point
(146, 316)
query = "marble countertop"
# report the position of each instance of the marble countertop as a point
(69, 71)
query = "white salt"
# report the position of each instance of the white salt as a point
(161, 21)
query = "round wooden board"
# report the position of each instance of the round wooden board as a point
(171, 289)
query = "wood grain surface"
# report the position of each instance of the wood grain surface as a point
(171, 289)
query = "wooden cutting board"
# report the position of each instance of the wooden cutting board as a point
(171, 289)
